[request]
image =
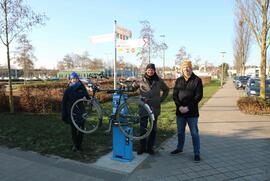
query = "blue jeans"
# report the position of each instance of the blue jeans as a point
(193, 127)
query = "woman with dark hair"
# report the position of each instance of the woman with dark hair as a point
(150, 86)
(74, 91)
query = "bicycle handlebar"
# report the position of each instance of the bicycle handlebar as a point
(98, 76)
(125, 86)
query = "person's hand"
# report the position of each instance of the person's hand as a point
(183, 109)
(134, 84)
(89, 89)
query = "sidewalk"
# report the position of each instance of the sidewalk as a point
(234, 146)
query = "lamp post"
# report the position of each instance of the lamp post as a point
(115, 56)
(222, 69)
(163, 49)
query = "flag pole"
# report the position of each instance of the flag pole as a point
(115, 57)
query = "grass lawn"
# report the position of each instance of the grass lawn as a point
(48, 135)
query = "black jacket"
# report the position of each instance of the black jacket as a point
(152, 92)
(188, 93)
(72, 94)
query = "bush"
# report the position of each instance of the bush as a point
(3, 98)
(253, 105)
(45, 97)
(41, 98)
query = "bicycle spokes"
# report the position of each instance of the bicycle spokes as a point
(85, 115)
(132, 118)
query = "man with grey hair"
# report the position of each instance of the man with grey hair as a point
(187, 93)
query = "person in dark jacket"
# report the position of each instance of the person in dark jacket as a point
(150, 86)
(187, 93)
(75, 90)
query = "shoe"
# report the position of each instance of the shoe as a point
(197, 158)
(176, 151)
(151, 151)
(141, 151)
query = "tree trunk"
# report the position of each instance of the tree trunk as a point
(263, 55)
(11, 106)
(262, 72)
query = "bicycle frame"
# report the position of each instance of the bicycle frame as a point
(87, 111)
(104, 113)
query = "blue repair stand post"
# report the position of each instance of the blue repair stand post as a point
(122, 145)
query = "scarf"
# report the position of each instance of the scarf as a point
(74, 84)
(151, 79)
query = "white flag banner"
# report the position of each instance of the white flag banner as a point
(128, 50)
(130, 43)
(102, 38)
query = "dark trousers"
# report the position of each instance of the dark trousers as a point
(77, 137)
(150, 141)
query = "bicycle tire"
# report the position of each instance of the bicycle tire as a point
(129, 115)
(86, 115)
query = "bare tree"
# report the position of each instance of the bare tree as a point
(71, 61)
(15, 19)
(25, 56)
(181, 55)
(256, 14)
(97, 64)
(61, 65)
(68, 62)
(241, 43)
(161, 47)
(268, 63)
(196, 65)
(86, 61)
(152, 48)
(77, 60)
(236, 62)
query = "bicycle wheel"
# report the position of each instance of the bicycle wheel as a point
(129, 115)
(86, 115)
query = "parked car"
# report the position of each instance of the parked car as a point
(241, 82)
(235, 78)
(253, 87)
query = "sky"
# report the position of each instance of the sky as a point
(205, 28)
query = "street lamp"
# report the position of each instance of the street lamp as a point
(163, 48)
(222, 69)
